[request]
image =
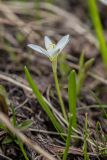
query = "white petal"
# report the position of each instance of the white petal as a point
(63, 42)
(48, 42)
(53, 51)
(104, 1)
(38, 49)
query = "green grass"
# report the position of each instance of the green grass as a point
(82, 73)
(72, 95)
(42, 102)
(68, 140)
(72, 109)
(98, 29)
(86, 156)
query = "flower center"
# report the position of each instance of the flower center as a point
(51, 46)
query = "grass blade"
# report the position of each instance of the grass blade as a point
(25, 125)
(18, 141)
(98, 28)
(68, 138)
(80, 74)
(86, 156)
(72, 97)
(42, 102)
(13, 119)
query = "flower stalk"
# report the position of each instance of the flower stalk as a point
(54, 68)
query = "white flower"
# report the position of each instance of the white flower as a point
(104, 1)
(51, 50)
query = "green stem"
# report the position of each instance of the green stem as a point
(54, 68)
(23, 151)
(68, 138)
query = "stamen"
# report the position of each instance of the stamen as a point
(51, 46)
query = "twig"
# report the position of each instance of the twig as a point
(17, 21)
(4, 157)
(72, 150)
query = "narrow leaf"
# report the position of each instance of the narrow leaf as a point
(72, 97)
(98, 29)
(42, 102)
(7, 140)
(88, 64)
(86, 156)
(13, 119)
(68, 138)
(81, 74)
(25, 125)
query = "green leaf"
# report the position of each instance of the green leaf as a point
(25, 125)
(88, 64)
(68, 138)
(98, 29)
(86, 156)
(63, 65)
(82, 73)
(20, 144)
(23, 150)
(72, 97)
(2, 126)
(13, 118)
(43, 104)
(7, 140)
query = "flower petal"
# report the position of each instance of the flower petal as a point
(63, 42)
(53, 51)
(38, 49)
(48, 42)
(104, 1)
